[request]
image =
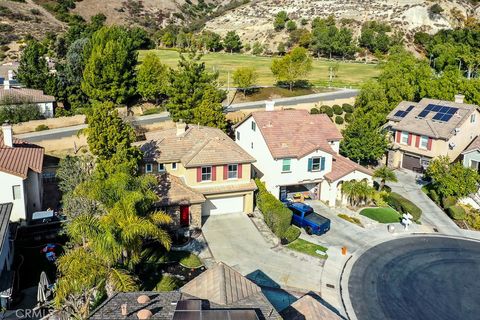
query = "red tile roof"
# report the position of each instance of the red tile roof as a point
(342, 166)
(296, 133)
(17, 160)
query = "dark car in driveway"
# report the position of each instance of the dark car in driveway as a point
(304, 217)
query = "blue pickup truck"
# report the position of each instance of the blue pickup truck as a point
(304, 217)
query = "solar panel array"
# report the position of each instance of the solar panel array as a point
(192, 310)
(442, 113)
(402, 114)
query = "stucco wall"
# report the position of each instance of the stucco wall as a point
(6, 195)
(468, 157)
(34, 191)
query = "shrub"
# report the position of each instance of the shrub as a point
(314, 111)
(403, 205)
(15, 113)
(338, 120)
(291, 234)
(434, 196)
(456, 212)
(348, 117)
(350, 219)
(41, 127)
(337, 109)
(447, 202)
(276, 215)
(326, 110)
(35, 12)
(347, 108)
(167, 283)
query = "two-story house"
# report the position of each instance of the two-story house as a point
(201, 172)
(298, 153)
(430, 128)
(20, 175)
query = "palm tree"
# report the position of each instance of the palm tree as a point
(357, 192)
(384, 174)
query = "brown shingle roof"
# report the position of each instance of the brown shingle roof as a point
(474, 145)
(342, 166)
(22, 156)
(199, 145)
(295, 133)
(427, 126)
(172, 190)
(25, 95)
(309, 308)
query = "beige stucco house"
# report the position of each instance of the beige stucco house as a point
(421, 131)
(201, 172)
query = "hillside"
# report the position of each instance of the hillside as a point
(254, 21)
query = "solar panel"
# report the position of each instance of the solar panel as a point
(399, 114)
(447, 117)
(429, 107)
(438, 116)
(452, 111)
(436, 108)
(444, 109)
(410, 108)
(423, 114)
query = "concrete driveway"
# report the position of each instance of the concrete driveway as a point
(234, 239)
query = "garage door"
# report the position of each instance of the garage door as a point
(411, 162)
(222, 205)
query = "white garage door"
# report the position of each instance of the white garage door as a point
(222, 205)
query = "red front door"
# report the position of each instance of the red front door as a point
(184, 216)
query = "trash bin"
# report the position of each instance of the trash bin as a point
(391, 228)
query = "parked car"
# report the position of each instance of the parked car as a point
(304, 217)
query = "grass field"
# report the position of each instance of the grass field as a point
(382, 215)
(349, 74)
(306, 247)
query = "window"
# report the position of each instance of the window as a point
(174, 166)
(423, 142)
(161, 167)
(238, 135)
(251, 145)
(17, 192)
(286, 165)
(315, 164)
(148, 168)
(232, 171)
(296, 212)
(206, 173)
(404, 139)
(474, 165)
(254, 126)
(472, 118)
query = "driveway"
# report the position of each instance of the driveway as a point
(234, 239)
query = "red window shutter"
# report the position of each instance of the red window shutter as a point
(399, 135)
(225, 172)
(410, 136)
(214, 173)
(417, 141)
(240, 170)
(429, 144)
(199, 174)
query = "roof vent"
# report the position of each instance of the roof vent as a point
(6, 84)
(181, 127)
(143, 299)
(7, 134)
(459, 98)
(144, 314)
(124, 309)
(284, 145)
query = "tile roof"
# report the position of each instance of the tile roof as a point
(198, 145)
(342, 166)
(295, 133)
(427, 126)
(17, 160)
(25, 95)
(228, 188)
(474, 145)
(309, 308)
(172, 190)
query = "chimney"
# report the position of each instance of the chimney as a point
(459, 98)
(181, 127)
(269, 105)
(6, 84)
(10, 75)
(7, 135)
(124, 309)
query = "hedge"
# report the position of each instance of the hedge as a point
(434, 196)
(457, 212)
(347, 108)
(277, 217)
(338, 120)
(337, 109)
(327, 110)
(291, 234)
(403, 205)
(314, 111)
(348, 117)
(447, 202)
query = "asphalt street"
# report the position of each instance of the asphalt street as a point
(422, 277)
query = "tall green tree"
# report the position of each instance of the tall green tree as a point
(293, 67)
(189, 85)
(33, 70)
(210, 112)
(152, 78)
(280, 19)
(357, 192)
(245, 78)
(232, 42)
(111, 58)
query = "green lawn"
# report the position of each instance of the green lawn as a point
(186, 259)
(349, 74)
(306, 247)
(382, 215)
